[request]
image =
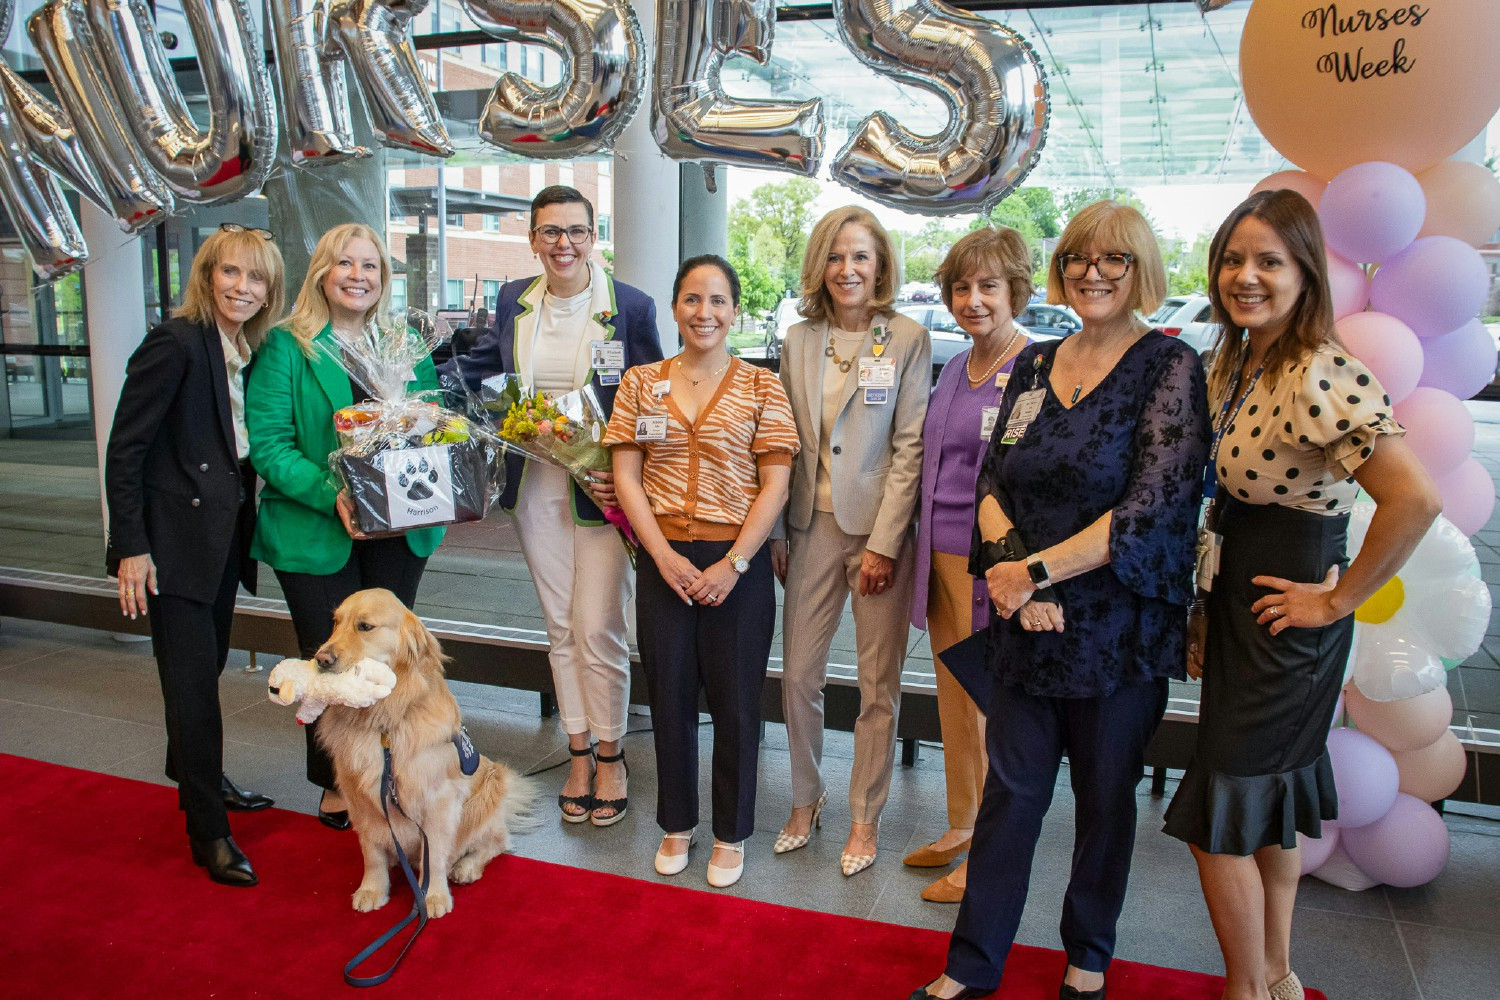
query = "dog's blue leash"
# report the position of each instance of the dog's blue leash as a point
(418, 888)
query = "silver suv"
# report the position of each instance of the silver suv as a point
(1188, 318)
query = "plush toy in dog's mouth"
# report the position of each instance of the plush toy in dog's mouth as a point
(361, 686)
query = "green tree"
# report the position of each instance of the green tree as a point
(1187, 264)
(758, 259)
(1077, 198)
(784, 209)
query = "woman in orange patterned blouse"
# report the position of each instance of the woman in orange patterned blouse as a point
(703, 446)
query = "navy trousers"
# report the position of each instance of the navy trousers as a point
(721, 651)
(1105, 741)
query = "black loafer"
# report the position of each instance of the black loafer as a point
(225, 862)
(237, 799)
(335, 820)
(1066, 992)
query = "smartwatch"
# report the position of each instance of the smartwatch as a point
(1038, 570)
(738, 562)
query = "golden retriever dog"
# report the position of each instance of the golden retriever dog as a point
(468, 818)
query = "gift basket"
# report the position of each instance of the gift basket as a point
(405, 460)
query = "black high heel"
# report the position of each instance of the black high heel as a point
(619, 805)
(1066, 992)
(584, 802)
(967, 993)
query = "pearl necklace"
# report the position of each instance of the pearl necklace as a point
(969, 361)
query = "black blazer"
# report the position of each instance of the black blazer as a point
(171, 475)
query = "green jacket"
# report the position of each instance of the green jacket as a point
(289, 405)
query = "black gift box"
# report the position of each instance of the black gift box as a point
(418, 498)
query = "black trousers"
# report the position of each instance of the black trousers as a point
(191, 641)
(1105, 742)
(312, 599)
(722, 651)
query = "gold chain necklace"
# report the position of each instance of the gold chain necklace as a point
(696, 381)
(969, 361)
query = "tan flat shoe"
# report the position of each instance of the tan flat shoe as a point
(930, 857)
(943, 891)
(1289, 988)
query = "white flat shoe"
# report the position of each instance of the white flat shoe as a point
(672, 864)
(787, 842)
(723, 878)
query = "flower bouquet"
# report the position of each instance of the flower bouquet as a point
(405, 461)
(565, 430)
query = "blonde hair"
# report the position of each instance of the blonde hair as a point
(310, 313)
(816, 304)
(263, 256)
(1001, 252)
(1113, 228)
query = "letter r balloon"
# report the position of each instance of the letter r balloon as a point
(987, 75)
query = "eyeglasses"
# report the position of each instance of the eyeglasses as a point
(235, 227)
(575, 234)
(1110, 266)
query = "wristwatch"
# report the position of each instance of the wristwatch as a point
(738, 563)
(1040, 579)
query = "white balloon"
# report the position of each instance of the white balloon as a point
(1392, 666)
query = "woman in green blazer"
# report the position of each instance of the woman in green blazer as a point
(304, 531)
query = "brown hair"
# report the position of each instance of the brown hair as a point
(263, 256)
(1001, 252)
(816, 304)
(310, 313)
(1114, 228)
(1310, 326)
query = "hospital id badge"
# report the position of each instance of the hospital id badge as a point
(1028, 405)
(1209, 544)
(650, 428)
(877, 373)
(607, 354)
(988, 417)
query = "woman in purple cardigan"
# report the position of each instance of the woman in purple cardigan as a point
(985, 281)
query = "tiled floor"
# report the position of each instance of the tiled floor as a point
(78, 697)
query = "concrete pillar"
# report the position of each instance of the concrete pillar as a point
(705, 214)
(647, 248)
(114, 296)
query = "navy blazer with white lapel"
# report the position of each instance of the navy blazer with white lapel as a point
(172, 474)
(632, 319)
(876, 448)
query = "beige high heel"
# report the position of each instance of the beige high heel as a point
(786, 842)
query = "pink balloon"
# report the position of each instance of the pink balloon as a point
(1468, 496)
(1434, 286)
(1339, 870)
(1300, 181)
(1315, 851)
(1433, 772)
(1372, 211)
(1364, 772)
(1408, 724)
(1461, 362)
(1408, 846)
(1349, 284)
(1439, 428)
(1463, 201)
(1387, 347)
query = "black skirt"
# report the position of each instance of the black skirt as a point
(1260, 773)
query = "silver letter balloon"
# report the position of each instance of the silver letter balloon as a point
(992, 83)
(603, 79)
(691, 116)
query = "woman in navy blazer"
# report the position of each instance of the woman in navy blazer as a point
(571, 326)
(985, 280)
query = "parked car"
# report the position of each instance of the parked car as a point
(1049, 322)
(1188, 318)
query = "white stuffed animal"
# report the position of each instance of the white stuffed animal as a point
(361, 686)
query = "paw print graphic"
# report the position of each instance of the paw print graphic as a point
(428, 471)
(418, 490)
(404, 478)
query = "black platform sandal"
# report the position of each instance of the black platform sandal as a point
(618, 805)
(585, 802)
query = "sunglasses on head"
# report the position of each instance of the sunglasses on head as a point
(235, 227)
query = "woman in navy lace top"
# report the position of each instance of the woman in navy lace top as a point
(1088, 497)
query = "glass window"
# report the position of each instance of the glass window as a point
(604, 226)
(455, 296)
(398, 294)
(491, 223)
(491, 293)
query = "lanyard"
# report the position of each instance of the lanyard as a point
(1210, 476)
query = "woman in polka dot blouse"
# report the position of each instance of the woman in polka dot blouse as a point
(1300, 427)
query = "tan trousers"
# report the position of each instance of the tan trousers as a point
(823, 572)
(950, 618)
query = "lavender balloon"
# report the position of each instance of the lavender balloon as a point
(1372, 211)
(1461, 362)
(1439, 428)
(1364, 772)
(1406, 847)
(1433, 286)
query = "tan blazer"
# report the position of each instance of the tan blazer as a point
(876, 449)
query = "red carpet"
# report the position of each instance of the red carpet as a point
(101, 900)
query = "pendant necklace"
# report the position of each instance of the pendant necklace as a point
(846, 363)
(694, 381)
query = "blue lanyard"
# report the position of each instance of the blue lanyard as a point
(1210, 474)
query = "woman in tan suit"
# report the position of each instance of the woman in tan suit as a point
(858, 376)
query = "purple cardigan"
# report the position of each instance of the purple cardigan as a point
(948, 383)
